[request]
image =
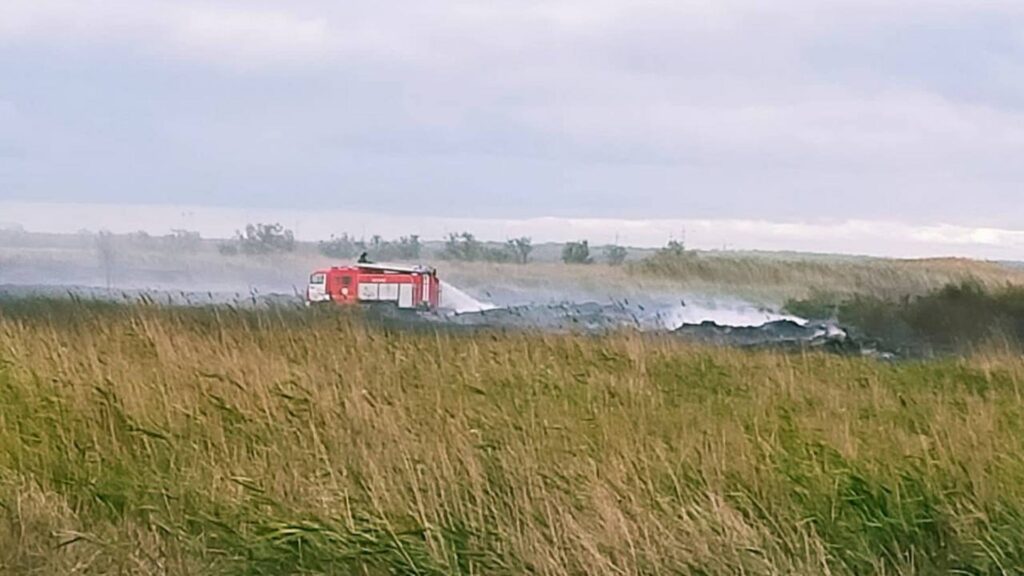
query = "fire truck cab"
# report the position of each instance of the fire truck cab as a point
(404, 286)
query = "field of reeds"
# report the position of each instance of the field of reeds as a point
(953, 319)
(146, 440)
(780, 277)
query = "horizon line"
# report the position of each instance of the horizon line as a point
(850, 237)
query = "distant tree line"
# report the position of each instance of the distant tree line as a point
(260, 239)
(377, 248)
(465, 247)
(179, 240)
(109, 247)
(579, 253)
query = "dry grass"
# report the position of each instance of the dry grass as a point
(151, 441)
(803, 276)
(760, 278)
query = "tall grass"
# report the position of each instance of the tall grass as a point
(140, 440)
(805, 276)
(954, 318)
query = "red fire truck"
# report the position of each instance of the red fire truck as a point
(403, 286)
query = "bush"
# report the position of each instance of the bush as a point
(343, 246)
(576, 253)
(818, 306)
(949, 319)
(520, 249)
(462, 247)
(674, 260)
(405, 248)
(409, 247)
(499, 254)
(615, 255)
(265, 239)
(674, 248)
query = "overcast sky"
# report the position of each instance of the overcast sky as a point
(788, 111)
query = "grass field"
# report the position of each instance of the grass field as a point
(766, 279)
(776, 277)
(140, 440)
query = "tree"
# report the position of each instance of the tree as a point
(141, 238)
(500, 254)
(576, 253)
(405, 248)
(377, 247)
(408, 247)
(343, 246)
(673, 248)
(463, 247)
(615, 255)
(520, 249)
(265, 239)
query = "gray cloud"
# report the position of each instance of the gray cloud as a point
(794, 110)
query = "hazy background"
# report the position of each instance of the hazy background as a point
(857, 126)
(867, 237)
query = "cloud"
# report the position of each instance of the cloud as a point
(689, 108)
(906, 130)
(225, 34)
(268, 34)
(248, 37)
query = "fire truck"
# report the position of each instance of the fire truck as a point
(407, 287)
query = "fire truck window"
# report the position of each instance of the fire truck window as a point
(316, 279)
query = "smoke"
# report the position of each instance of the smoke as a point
(733, 313)
(455, 299)
(650, 309)
(194, 272)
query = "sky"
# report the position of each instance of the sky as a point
(845, 115)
